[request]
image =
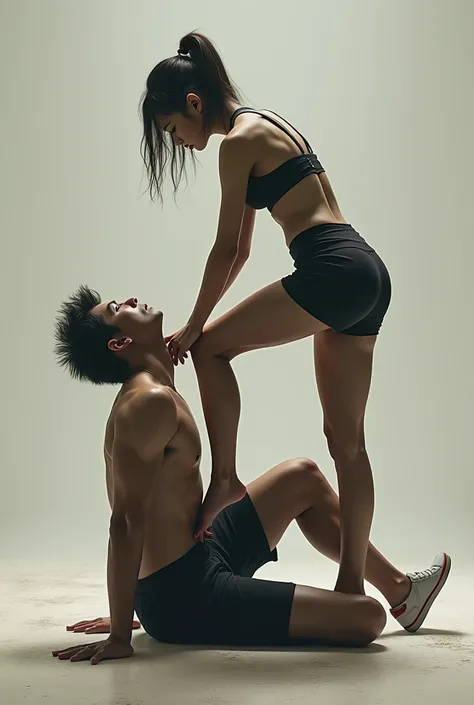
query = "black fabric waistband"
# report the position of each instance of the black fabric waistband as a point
(327, 235)
(188, 563)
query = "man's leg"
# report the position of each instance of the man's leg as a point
(335, 618)
(296, 489)
(248, 610)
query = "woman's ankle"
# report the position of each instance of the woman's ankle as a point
(398, 591)
(224, 475)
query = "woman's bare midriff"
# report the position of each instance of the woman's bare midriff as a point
(310, 203)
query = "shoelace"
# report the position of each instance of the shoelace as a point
(421, 574)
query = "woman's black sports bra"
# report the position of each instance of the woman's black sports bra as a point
(265, 191)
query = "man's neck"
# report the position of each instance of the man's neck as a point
(157, 364)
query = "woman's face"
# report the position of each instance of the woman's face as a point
(186, 129)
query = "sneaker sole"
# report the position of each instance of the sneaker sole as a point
(414, 626)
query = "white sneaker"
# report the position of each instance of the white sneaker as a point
(425, 588)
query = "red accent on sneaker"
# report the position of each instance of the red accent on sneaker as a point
(398, 611)
(443, 571)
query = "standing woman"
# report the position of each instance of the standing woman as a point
(338, 292)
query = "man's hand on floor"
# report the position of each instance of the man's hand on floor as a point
(100, 625)
(96, 652)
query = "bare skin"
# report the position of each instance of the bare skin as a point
(163, 485)
(268, 318)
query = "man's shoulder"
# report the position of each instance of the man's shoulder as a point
(147, 412)
(145, 403)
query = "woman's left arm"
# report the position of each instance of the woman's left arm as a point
(235, 164)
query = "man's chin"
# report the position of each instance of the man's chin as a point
(157, 316)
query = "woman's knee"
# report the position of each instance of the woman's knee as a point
(203, 348)
(345, 444)
(208, 346)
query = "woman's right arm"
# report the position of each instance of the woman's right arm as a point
(243, 253)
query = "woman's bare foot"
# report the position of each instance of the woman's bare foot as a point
(221, 492)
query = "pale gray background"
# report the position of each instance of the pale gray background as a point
(383, 91)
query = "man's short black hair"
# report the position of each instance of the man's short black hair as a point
(81, 341)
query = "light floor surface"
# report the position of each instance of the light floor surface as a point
(436, 665)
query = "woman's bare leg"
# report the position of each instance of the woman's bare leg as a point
(297, 489)
(343, 372)
(267, 318)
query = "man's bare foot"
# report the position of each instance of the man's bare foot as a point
(221, 492)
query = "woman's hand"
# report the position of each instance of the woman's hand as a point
(180, 342)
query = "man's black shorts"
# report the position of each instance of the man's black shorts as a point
(209, 595)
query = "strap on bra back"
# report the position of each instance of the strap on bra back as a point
(282, 127)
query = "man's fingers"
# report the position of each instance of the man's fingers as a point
(136, 624)
(84, 652)
(79, 625)
(97, 629)
(100, 656)
(82, 655)
(67, 653)
(83, 627)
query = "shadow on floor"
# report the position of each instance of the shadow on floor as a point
(258, 665)
(424, 632)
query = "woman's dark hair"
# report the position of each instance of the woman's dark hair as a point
(197, 68)
(81, 341)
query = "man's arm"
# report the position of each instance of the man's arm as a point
(142, 431)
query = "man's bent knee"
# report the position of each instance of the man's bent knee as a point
(371, 623)
(307, 472)
(308, 478)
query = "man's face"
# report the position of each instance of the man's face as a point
(137, 321)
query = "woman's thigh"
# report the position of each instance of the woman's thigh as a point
(268, 318)
(343, 366)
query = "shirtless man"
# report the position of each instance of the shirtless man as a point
(184, 590)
